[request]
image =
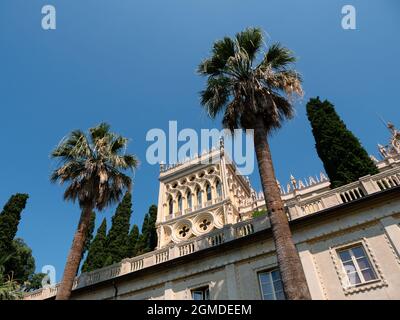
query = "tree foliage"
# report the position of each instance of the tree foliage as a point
(131, 250)
(246, 85)
(9, 220)
(21, 263)
(94, 166)
(97, 253)
(34, 282)
(148, 239)
(117, 238)
(343, 157)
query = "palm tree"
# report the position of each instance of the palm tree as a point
(256, 91)
(93, 166)
(9, 288)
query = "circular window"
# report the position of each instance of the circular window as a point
(182, 231)
(203, 223)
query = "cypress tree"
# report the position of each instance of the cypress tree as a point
(132, 242)
(9, 220)
(117, 238)
(141, 245)
(152, 241)
(343, 157)
(97, 255)
(148, 239)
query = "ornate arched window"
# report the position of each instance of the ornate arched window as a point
(180, 203)
(189, 200)
(219, 189)
(170, 206)
(199, 197)
(208, 191)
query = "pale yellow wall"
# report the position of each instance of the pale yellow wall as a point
(232, 273)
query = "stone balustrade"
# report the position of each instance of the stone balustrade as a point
(212, 239)
(297, 207)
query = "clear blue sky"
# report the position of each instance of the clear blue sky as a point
(132, 64)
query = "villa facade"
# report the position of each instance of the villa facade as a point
(212, 245)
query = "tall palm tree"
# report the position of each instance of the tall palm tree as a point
(94, 167)
(255, 90)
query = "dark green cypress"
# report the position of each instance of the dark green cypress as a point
(97, 255)
(117, 238)
(9, 220)
(141, 245)
(148, 239)
(343, 157)
(152, 241)
(132, 242)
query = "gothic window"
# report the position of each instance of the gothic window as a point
(219, 189)
(180, 203)
(199, 198)
(205, 224)
(208, 190)
(189, 199)
(170, 206)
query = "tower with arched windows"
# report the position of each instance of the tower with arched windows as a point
(198, 196)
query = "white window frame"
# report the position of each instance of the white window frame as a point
(356, 265)
(269, 273)
(343, 278)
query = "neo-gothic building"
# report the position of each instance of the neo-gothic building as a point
(211, 247)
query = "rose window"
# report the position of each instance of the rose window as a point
(204, 224)
(184, 231)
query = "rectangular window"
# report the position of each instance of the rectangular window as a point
(356, 265)
(271, 285)
(201, 293)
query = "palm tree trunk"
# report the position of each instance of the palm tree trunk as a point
(74, 256)
(291, 269)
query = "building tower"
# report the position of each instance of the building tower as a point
(200, 195)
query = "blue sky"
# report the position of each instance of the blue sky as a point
(132, 64)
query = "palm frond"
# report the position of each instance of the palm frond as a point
(94, 170)
(245, 92)
(221, 52)
(250, 40)
(99, 132)
(278, 57)
(216, 94)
